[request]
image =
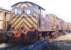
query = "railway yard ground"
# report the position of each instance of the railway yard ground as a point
(60, 43)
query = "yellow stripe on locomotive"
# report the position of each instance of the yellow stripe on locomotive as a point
(24, 20)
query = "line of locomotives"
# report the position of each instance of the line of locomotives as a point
(28, 21)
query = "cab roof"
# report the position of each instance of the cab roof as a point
(28, 2)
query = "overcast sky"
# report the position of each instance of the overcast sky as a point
(61, 8)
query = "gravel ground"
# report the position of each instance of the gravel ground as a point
(64, 44)
(64, 37)
(61, 45)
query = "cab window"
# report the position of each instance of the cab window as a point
(18, 11)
